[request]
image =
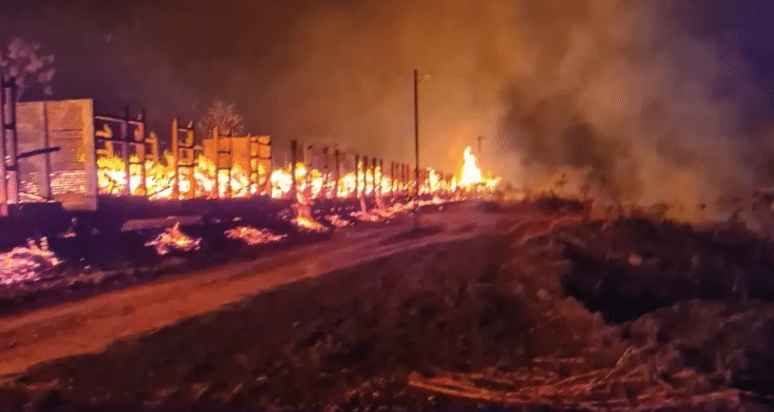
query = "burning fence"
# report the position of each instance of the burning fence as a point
(234, 167)
(205, 179)
(115, 156)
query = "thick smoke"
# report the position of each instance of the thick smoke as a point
(620, 93)
(659, 102)
(650, 99)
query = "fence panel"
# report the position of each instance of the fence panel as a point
(68, 175)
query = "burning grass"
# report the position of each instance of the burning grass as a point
(253, 236)
(26, 264)
(173, 239)
(381, 212)
(337, 221)
(303, 218)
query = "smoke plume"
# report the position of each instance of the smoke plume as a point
(652, 100)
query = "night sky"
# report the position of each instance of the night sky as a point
(635, 90)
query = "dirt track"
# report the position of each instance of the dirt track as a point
(490, 309)
(90, 325)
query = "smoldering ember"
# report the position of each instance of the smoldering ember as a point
(446, 205)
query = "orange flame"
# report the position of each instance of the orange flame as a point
(173, 239)
(471, 174)
(25, 264)
(304, 219)
(313, 183)
(253, 236)
(337, 221)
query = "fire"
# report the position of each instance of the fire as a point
(173, 239)
(364, 215)
(253, 236)
(304, 219)
(204, 181)
(471, 174)
(472, 178)
(26, 264)
(380, 212)
(160, 178)
(337, 221)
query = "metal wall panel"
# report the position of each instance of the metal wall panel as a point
(72, 171)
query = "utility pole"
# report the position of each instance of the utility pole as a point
(416, 147)
(480, 138)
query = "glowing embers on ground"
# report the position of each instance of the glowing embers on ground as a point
(26, 264)
(253, 236)
(380, 212)
(303, 217)
(173, 239)
(337, 221)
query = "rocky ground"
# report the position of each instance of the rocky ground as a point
(552, 311)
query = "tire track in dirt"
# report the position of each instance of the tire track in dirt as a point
(88, 326)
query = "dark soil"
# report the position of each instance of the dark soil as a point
(101, 262)
(729, 343)
(490, 305)
(629, 267)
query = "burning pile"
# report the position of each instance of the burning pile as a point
(377, 214)
(253, 236)
(25, 264)
(337, 221)
(304, 219)
(173, 239)
(364, 215)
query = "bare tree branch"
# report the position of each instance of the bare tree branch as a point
(22, 60)
(224, 117)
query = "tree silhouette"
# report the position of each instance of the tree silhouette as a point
(23, 60)
(224, 117)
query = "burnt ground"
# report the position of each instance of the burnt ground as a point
(555, 313)
(102, 262)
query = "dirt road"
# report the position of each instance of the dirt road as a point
(89, 325)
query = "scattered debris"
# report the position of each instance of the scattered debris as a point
(640, 380)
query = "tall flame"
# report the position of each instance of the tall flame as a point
(471, 174)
